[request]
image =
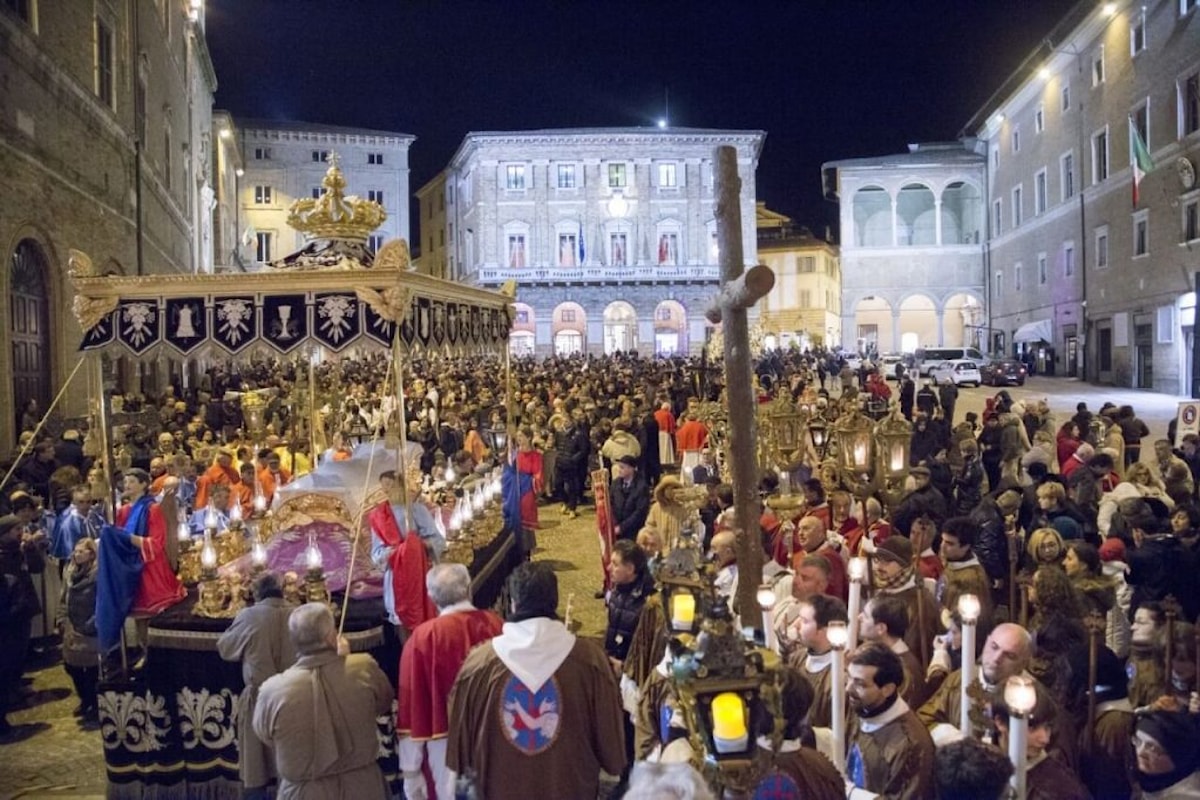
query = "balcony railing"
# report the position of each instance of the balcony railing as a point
(644, 273)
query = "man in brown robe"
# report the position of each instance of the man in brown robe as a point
(259, 639)
(1107, 762)
(889, 751)
(536, 712)
(964, 573)
(319, 715)
(884, 619)
(816, 663)
(894, 573)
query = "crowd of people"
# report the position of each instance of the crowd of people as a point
(1049, 523)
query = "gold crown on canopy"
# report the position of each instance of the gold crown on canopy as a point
(335, 215)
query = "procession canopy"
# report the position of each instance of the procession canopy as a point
(333, 294)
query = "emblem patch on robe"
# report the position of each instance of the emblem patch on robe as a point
(530, 720)
(856, 770)
(777, 786)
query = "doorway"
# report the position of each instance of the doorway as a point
(29, 330)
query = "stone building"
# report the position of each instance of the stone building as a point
(609, 233)
(912, 235)
(105, 143)
(433, 254)
(804, 308)
(284, 161)
(1082, 279)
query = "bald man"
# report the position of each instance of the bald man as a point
(814, 541)
(1007, 652)
(724, 555)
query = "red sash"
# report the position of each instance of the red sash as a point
(409, 563)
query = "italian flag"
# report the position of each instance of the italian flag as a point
(1139, 159)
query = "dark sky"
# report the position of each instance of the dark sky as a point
(825, 80)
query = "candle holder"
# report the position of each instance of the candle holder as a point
(968, 610)
(208, 557)
(838, 634)
(766, 601)
(856, 569)
(315, 588)
(1020, 695)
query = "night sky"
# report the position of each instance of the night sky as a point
(825, 80)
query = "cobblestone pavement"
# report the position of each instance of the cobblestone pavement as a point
(59, 759)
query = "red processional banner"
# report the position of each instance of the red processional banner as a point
(604, 520)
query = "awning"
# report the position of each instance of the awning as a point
(1037, 331)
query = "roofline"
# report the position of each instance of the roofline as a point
(247, 125)
(1059, 33)
(719, 136)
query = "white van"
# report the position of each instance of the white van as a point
(928, 357)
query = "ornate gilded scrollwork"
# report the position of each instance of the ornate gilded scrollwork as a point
(390, 304)
(88, 311)
(394, 255)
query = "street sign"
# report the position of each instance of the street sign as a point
(1187, 420)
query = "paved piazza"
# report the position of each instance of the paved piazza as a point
(62, 760)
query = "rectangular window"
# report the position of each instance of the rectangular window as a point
(1015, 139)
(441, 238)
(618, 249)
(1186, 6)
(105, 64)
(1043, 277)
(262, 251)
(167, 157)
(1039, 119)
(375, 158)
(808, 264)
(1065, 98)
(995, 158)
(262, 195)
(1100, 156)
(616, 176)
(568, 315)
(1191, 220)
(666, 176)
(1137, 33)
(262, 154)
(805, 298)
(1102, 247)
(320, 156)
(514, 177)
(1016, 206)
(663, 313)
(22, 8)
(1166, 325)
(1187, 93)
(374, 242)
(1104, 345)
(1098, 67)
(1068, 260)
(376, 196)
(568, 250)
(1141, 233)
(516, 250)
(999, 282)
(566, 176)
(1017, 269)
(997, 217)
(316, 192)
(668, 248)
(1039, 192)
(1067, 175)
(522, 317)
(1141, 122)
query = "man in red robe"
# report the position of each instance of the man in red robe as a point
(402, 557)
(220, 473)
(429, 666)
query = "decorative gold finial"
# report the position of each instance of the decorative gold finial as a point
(335, 215)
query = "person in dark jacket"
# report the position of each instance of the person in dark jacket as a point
(1132, 431)
(968, 480)
(632, 586)
(651, 458)
(923, 499)
(991, 543)
(80, 648)
(948, 396)
(571, 448)
(908, 391)
(630, 499)
(69, 451)
(1159, 564)
(924, 443)
(20, 555)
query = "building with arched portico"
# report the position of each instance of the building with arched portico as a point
(608, 233)
(912, 248)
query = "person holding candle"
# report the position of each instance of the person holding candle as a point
(894, 573)
(258, 638)
(889, 751)
(964, 574)
(812, 625)
(215, 515)
(1046, 777)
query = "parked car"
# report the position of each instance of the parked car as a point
(854, 360)
(961, 371)
(887, 364)
(927, 357)
(1005, 372)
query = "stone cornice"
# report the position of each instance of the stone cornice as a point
(617, 137)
